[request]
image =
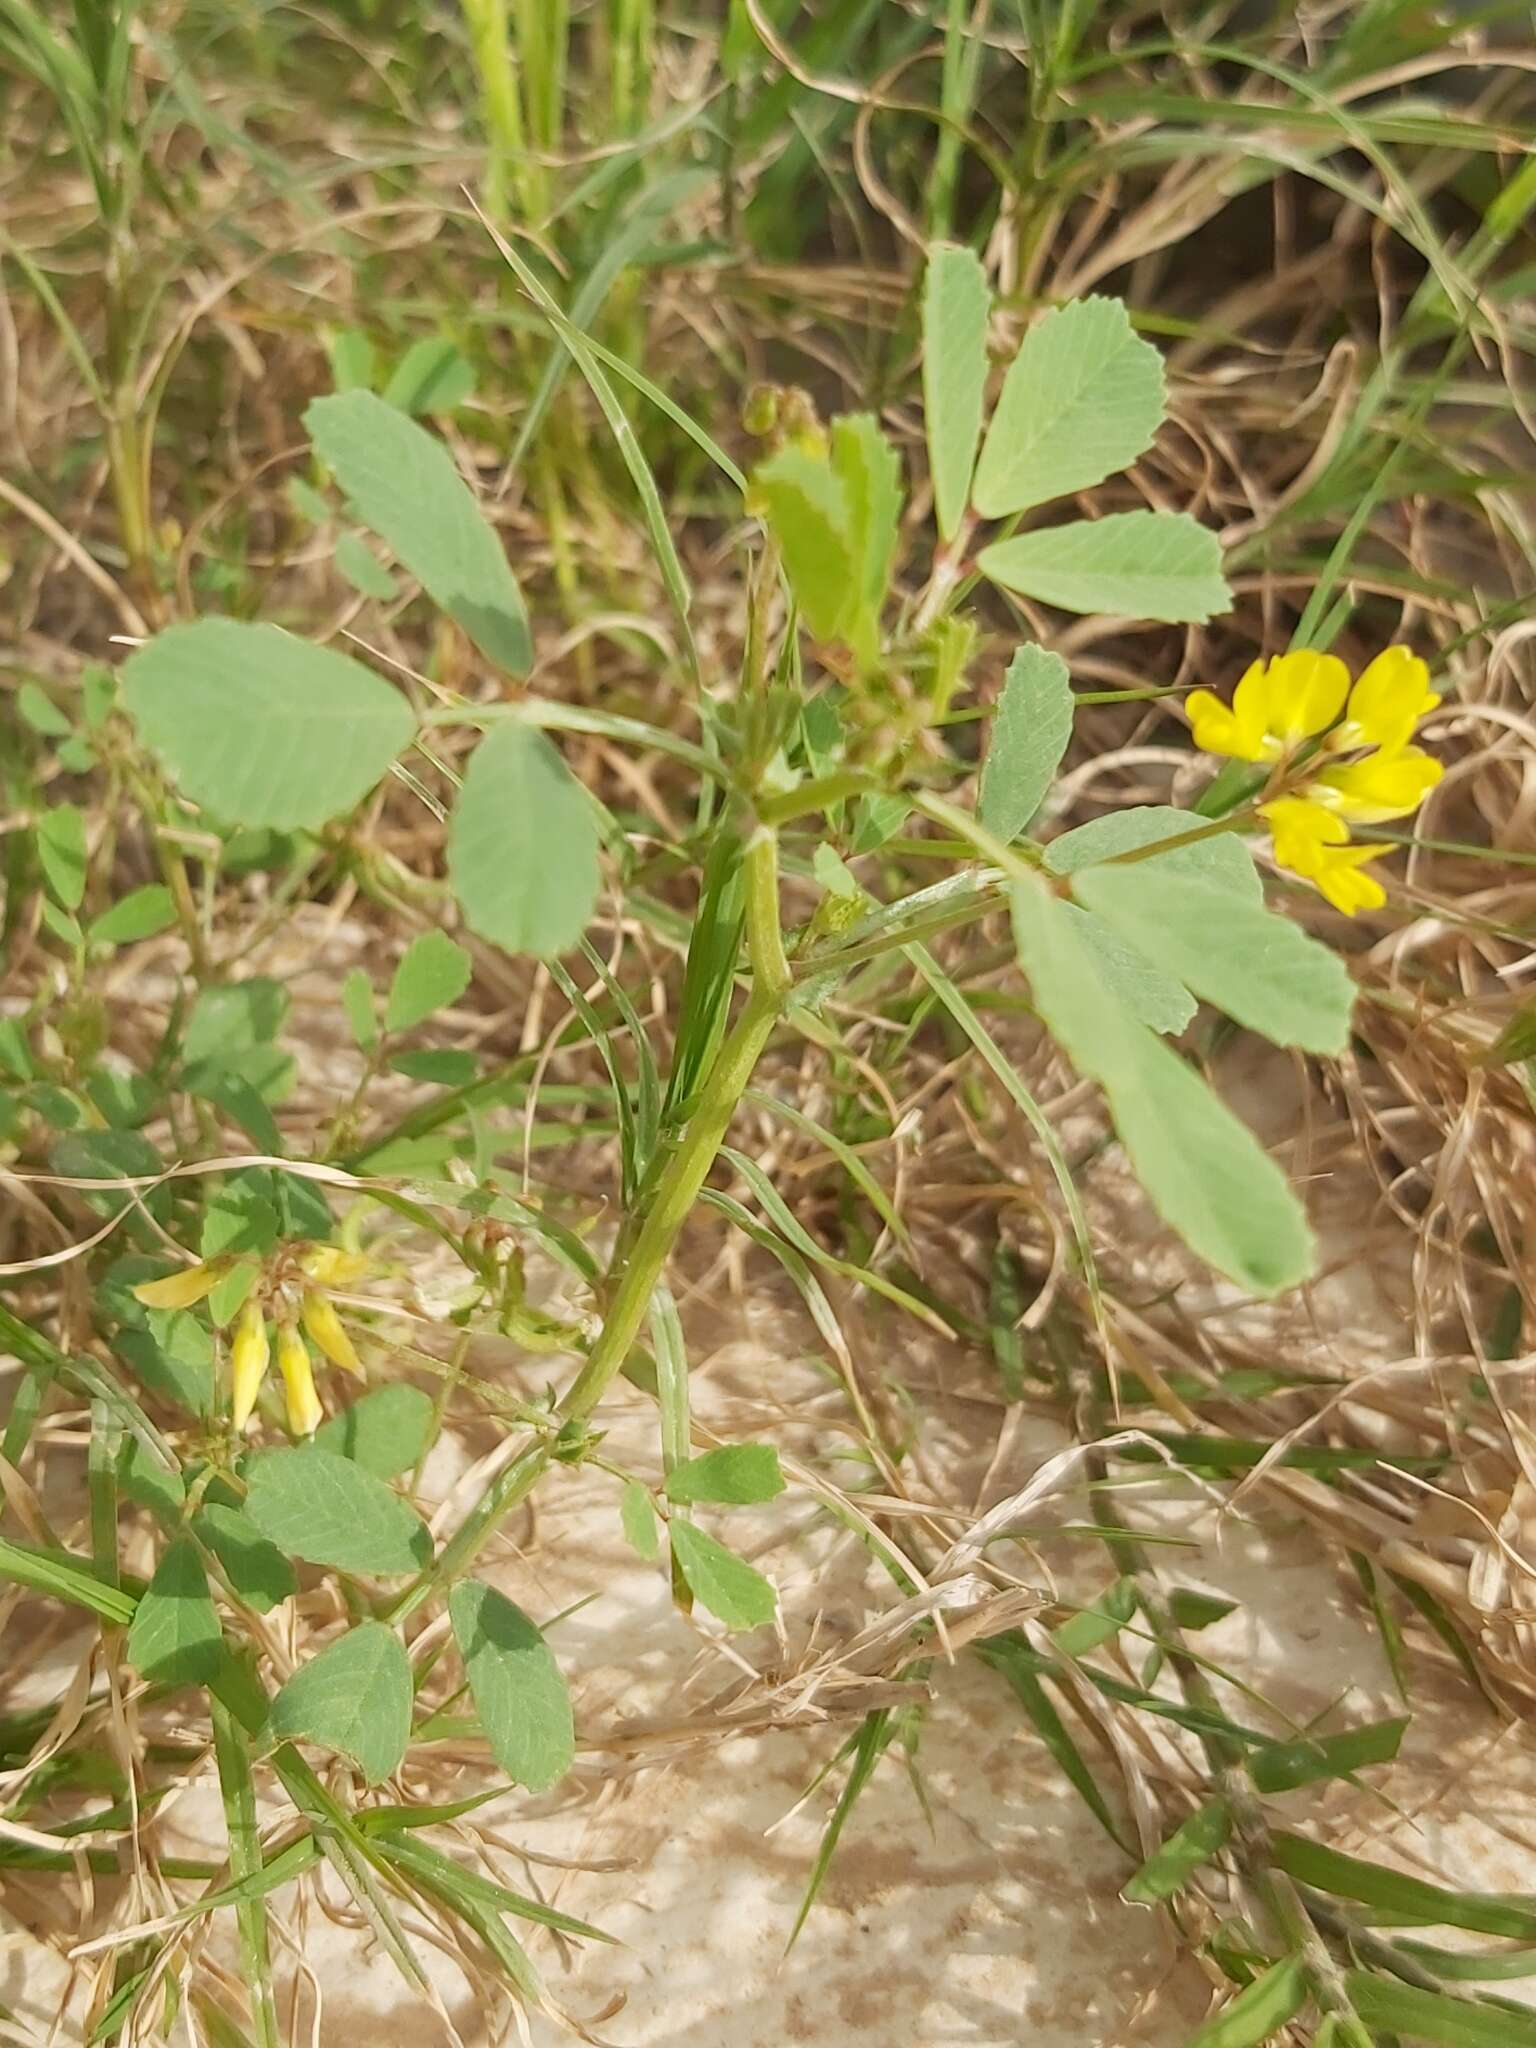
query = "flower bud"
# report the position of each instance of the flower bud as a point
(323, 1326)
(248, 1362)
(304, 1411)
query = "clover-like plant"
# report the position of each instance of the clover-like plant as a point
(1121, 926)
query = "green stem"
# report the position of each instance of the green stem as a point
(676, 1193)
(239, 1792)
(962, 52)
(1018, 863)
(686, 1171)
(645, 1260)
(1233, 822)
(150, 795)
(130, 496)
(632, 30)
(510, 1486)
(943, 912)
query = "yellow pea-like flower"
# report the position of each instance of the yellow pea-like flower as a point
(1306, 693)
(1341, 877)
(1387, 702)
(1380, 785)
(333, 1266)
(1240, 729)
(180, 1289)
(248, 1362)
(1303, 832)
(1278, 703)
(1282, 704)
(303, 1403)
(324, 1327)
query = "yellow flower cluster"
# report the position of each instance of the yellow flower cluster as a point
(251, 1350)
(1305, 700)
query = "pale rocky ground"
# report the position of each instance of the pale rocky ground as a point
(1000, 1924)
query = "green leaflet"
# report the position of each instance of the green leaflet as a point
(1260, 968)
(1143, 983)
(1082, 399)
(1030, 730)
(354, 1696)
(385, 1430)
(804, 505)
(401, 481)
(328, 1510)
(1133, 565)
(1204, 1171)
(638, 1518)
(257, 1570)
(733, 1474)
(720, 1580)
(174, 1638)
(1161, 1003)
(518, 1690)
(433, 973)
(871, 478)
(835, 513)
(522, 844)
(61, 853)
(957, 302)
(263, 728)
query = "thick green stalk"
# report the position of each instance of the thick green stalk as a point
(130, 496)
(676, 1194)
(543, 46)
(507, 168)
(632, 29)
(680, 1185)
